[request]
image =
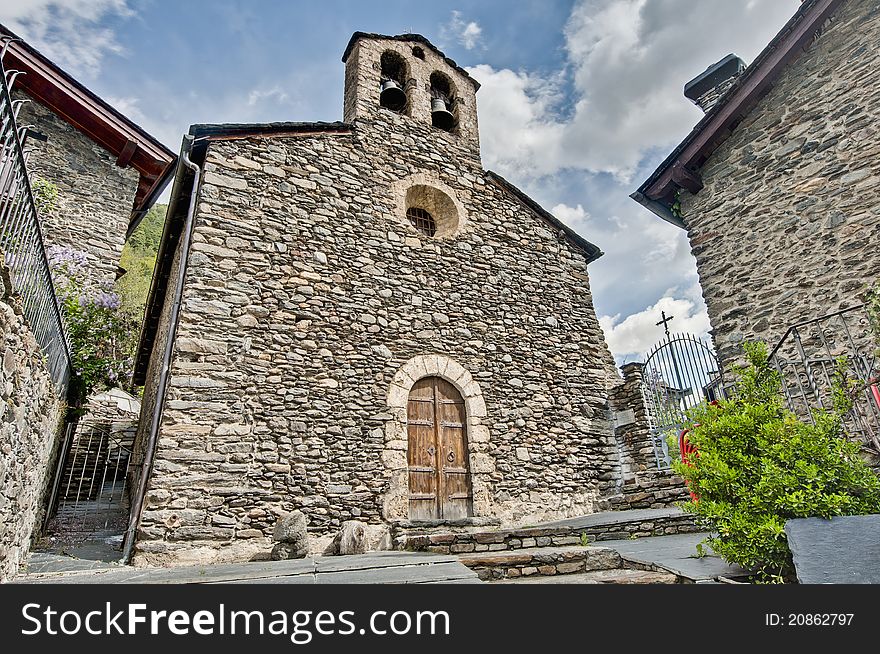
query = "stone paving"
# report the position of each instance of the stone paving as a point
(840, 550)
(656, 559)
(373, 568)
(677, 554)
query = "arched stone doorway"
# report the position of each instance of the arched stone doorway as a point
(437, 452)
(480, 465)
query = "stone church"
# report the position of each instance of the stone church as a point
(356, 320)
(778, 186)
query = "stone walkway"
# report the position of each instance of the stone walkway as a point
(611, 518)
(373, 568)
(662, 557)
(677, 554)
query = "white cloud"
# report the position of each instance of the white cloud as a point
(518, 134)
(627, 64)
(69, 32)
(276, 93)
(467, 33)
(574, 217)
(633, 336)
(128, 106)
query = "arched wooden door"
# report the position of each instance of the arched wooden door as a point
(439, 480)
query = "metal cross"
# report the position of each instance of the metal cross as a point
(665, 322)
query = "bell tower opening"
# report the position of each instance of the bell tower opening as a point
(407, 75)
(394, 74)
(443, 102)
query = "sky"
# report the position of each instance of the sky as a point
(580, 99)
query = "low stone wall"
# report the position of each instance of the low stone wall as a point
(30, 413)
(546, 562)
(649, 490)
(462, 541)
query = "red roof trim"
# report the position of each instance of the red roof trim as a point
(85, 111)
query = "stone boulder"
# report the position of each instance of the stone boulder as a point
(353, 537)
(291, 537)
(356, 537)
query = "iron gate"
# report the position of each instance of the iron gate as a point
(681, 372)
(89, 493)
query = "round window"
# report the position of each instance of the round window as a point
(431, 211)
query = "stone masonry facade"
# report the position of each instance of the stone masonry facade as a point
(311, 306)
(30, 414)
(95, 196)
(801, 177)
(638, 483)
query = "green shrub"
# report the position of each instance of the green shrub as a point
(102, 340)
(759, 465)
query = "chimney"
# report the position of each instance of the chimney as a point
(708, 87)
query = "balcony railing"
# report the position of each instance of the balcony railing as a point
(21, 239)
(808, 357)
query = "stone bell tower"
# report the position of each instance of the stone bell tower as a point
(407, 76)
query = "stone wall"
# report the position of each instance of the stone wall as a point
(633, 433)
(30, 414)
(310, 304)
(787, 226)
(95, 196)
(638, 484)
(651, 489)
(151, 397)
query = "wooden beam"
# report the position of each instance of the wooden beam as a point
(687, 178)
(127, 153)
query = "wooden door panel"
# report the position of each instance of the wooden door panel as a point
(422, 453)
(439, 479)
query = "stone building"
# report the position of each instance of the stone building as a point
(108, 171)
(778, 184)
(356, 320)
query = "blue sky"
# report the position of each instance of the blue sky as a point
(581, 99)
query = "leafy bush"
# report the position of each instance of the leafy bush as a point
(759, 465)
(102, 340)
(45, 195)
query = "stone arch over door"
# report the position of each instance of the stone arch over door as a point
(394, 456)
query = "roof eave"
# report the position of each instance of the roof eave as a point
(591, 251)
(95, 118)
(680, 169)
(659, 209)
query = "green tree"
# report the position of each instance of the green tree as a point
(759, 465)
(139, 259)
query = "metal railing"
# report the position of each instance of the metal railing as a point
(807, 357)
(21, 239)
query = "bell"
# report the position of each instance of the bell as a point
(392, 96)
(440, 115)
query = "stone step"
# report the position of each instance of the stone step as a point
(611, 525)
(542, 561)
(599, 577)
